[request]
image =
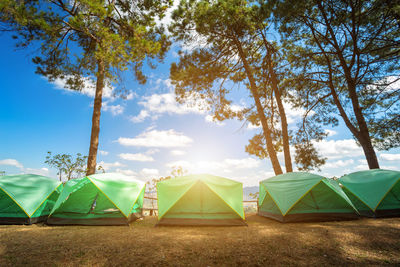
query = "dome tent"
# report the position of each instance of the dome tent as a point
(99, 199)
(200, 200)
(27, 198)
(300, 196)
(375, 193)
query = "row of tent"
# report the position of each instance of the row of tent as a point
(114, 199)
(295, 197)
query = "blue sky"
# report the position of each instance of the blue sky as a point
(143, 136)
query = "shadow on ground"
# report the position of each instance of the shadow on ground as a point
(262, 242)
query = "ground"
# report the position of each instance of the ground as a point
(262, 242)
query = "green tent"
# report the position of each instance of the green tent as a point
(27, 198)
(200, 200)
(300, 196)
(99, 199)
(375, 193)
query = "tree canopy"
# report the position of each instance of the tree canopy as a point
(82, 39)
(345, 61)
(237, 50)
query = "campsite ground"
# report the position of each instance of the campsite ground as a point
(360, 242)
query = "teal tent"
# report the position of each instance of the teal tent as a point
(27, 198)
(200, 200)
(99, 199)
(375, 193)
(300, 196)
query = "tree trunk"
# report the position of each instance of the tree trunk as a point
(282, 115)
(260, 111)
(363, 138)
(281, 108)
(369, 151)
(94, 138)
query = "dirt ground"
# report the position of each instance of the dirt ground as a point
(262, 242)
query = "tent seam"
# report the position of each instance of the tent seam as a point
(16, 202)
(158, 207)
(225, 201)
(140, 192)
(357, 197)
(276, 204)
(107, 197)
(347, 200)
(63, 201)
(300, 198)
(390, 189)
(46, 198)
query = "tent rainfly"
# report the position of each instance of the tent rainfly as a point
(300, 196)
(375, 193)
(200, 200)
(99, 199)
(27, 198)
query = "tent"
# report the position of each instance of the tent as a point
(301, 196)
(27, 198)
(200, 200)
(375, 193)
(99, 199)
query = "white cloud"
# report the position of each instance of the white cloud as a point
(103, 153)
(330, 132)
(135, 157)
(157, 104)
(251, 126)
(152, 151)
(362, 167)
(362, 161)
(224, 166)
(178, 152)
(387, 167)
(114, 109)
(12, 162)
(246, 163)
(333, 149)
(127, 172)
(141, 117)
(338, 163)
(149, 173)
(210, 118)
(41, 171)
(390, 157)
(131, 95)
(110, 165)
(89, 87)
(294, 114)
(167, 19)
(155, 138)
(388, 84)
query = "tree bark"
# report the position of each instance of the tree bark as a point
(364, 137)
(260, 111)
(94, 138)
(281, 108)
(282, 115)
(362, 133)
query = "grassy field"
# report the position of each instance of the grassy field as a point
(263, 242)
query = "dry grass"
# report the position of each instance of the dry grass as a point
(263, 242)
